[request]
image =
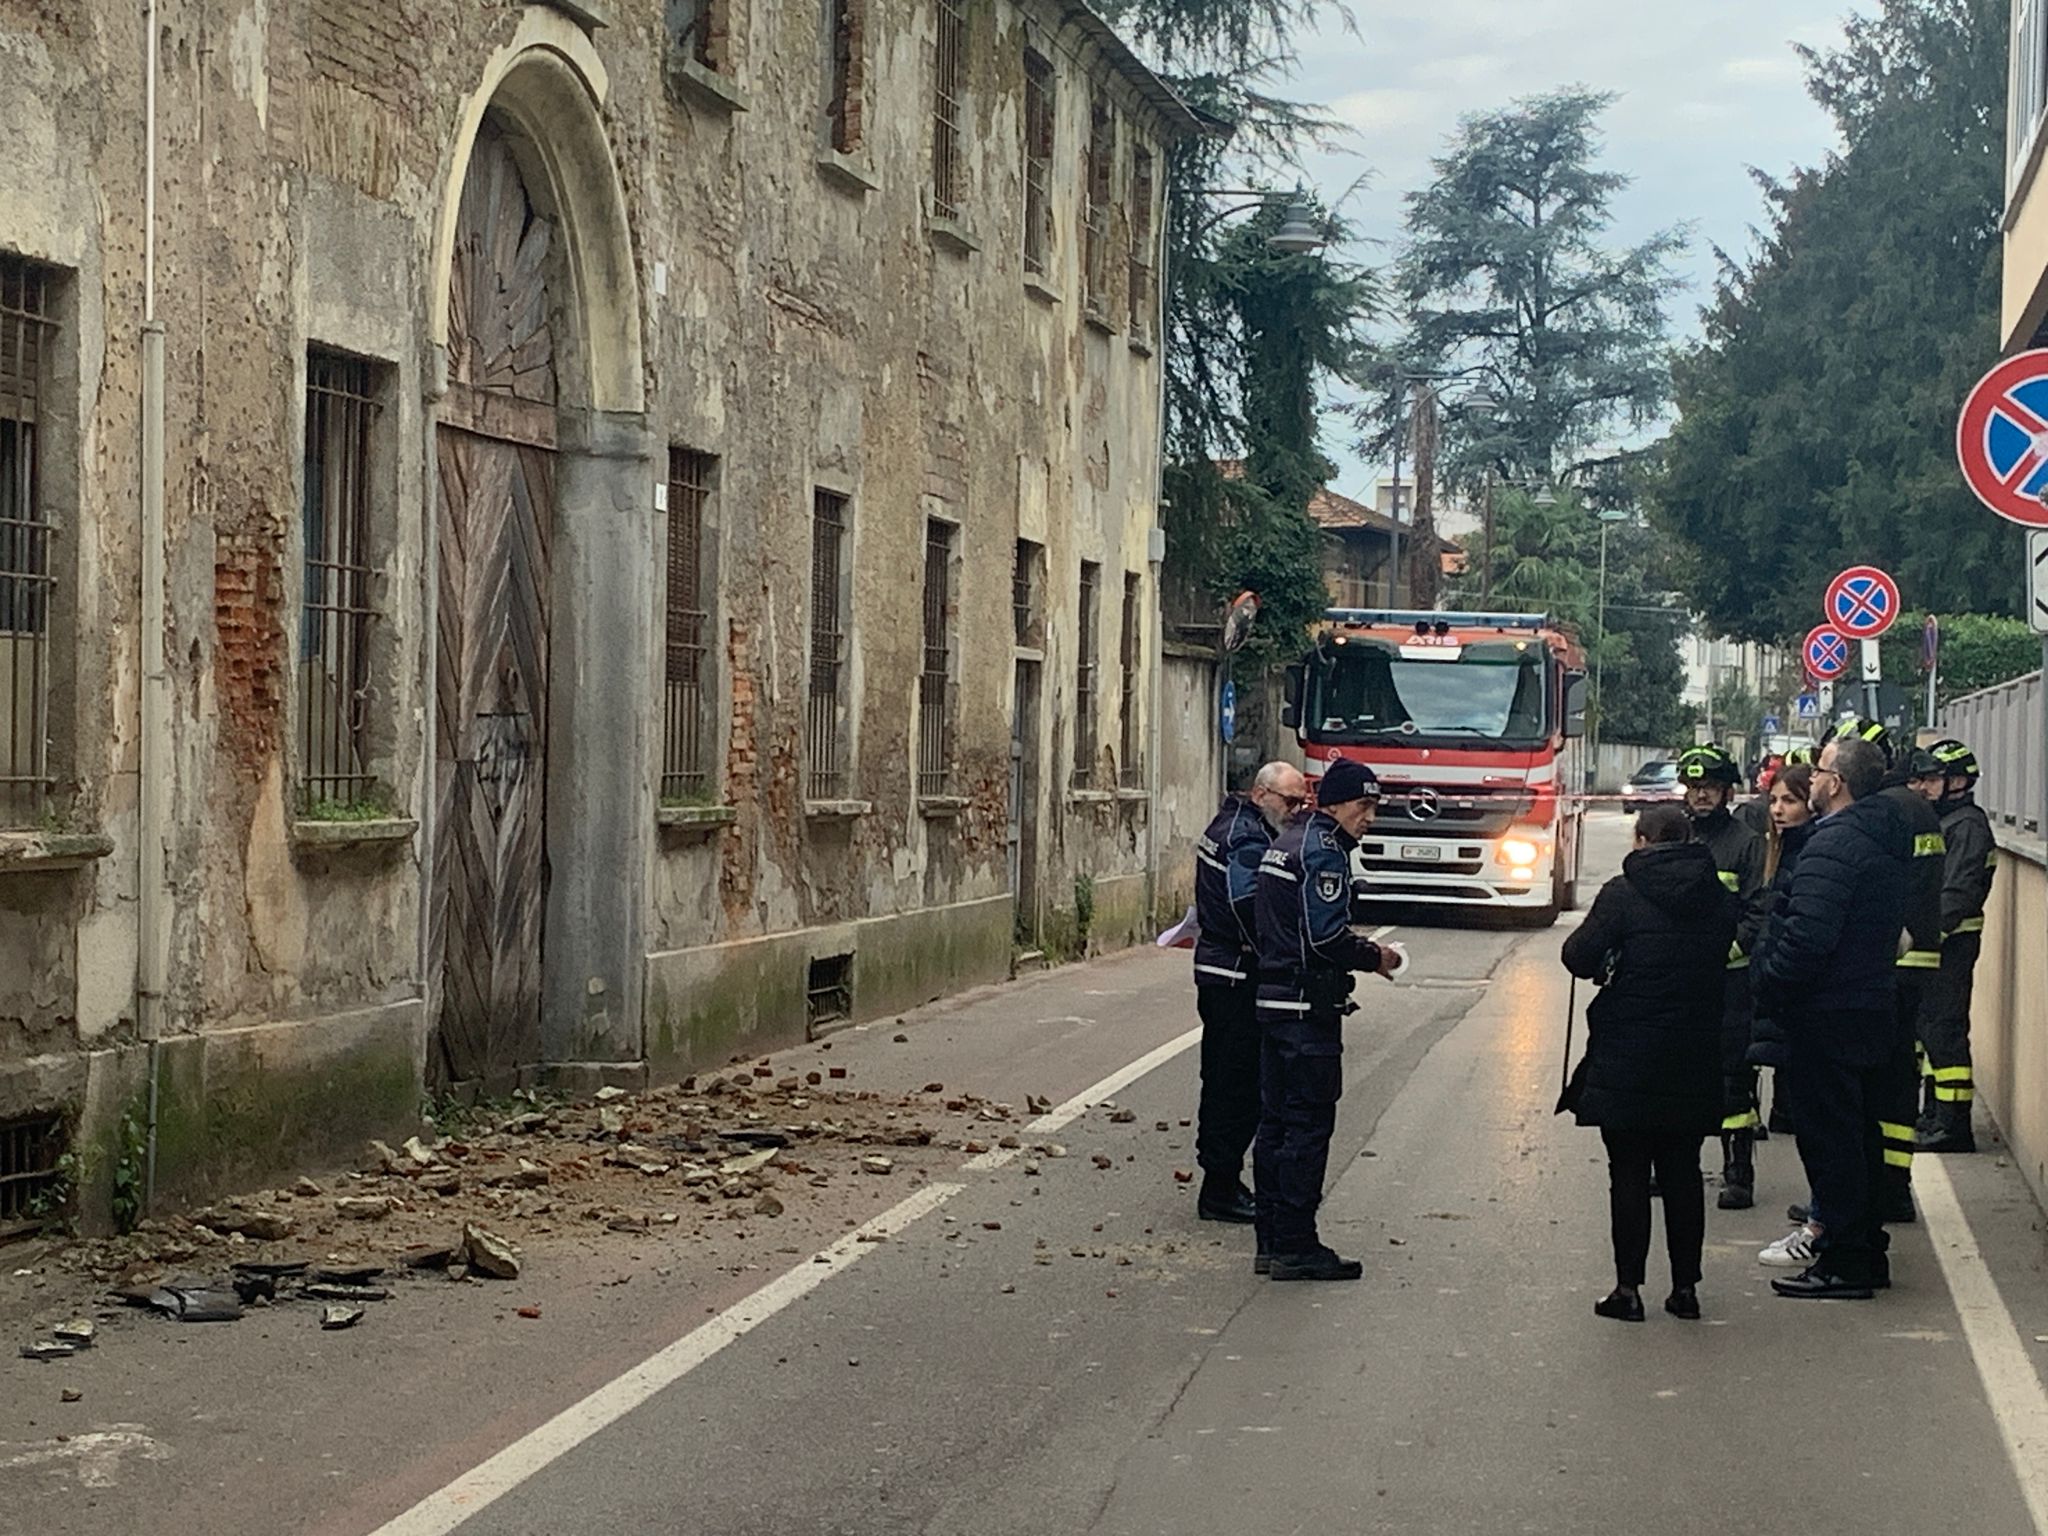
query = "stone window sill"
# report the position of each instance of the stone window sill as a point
(849, 173)
(837, 810)
(383, 832)
(1040, 289)
(695, 820)
(951, 235)
(587, 14)
(1141, 345)
(938, 807)
(43, 852)
(1131, 795)
(706, 87)
(1029, 653)
(1090, 796)
(1098, 319)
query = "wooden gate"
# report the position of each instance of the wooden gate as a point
(495, 445)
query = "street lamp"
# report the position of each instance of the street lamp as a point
(1299, 233)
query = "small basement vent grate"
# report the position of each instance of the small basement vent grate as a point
(829, 997)
(31, 1177)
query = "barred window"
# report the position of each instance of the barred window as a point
(846, 26)
(339, 572)
(935, 680)
(1141, 295)
(948, 82)
(1038, 149)
(1130, 657)
(1027, 595)
(824, 704)
(28, 338)
(1087, 662)
(703, 27)
(1098, 168)
(686, 716)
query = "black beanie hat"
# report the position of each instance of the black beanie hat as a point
(1345, 781)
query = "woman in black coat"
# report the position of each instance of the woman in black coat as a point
(1657, 940)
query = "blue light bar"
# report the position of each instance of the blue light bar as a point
(1408, 618)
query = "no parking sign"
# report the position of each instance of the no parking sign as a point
(1826, 652)
(1862, 602)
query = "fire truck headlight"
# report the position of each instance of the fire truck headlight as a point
(1520, 852)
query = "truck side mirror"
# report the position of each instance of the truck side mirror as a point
(1574, 704)
(1290, 711)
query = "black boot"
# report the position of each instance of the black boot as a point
(1951, 1131)
(1224, 1198)
(1318, 1263)
(1738, 1170)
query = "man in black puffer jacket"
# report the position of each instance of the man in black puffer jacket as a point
(1827, 973)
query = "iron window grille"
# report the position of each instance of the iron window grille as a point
(1086, 664)
(701, 27)
(948, 81)
(1129, 657)
(846, 20)
(822, 712)
(339, 609)
(1095, 198)
(27, 575)
(1026, 602)
(686, 668)
(1038, 150)
(31, 1173)
(828, 992)
(935, 681)
(1141, 296)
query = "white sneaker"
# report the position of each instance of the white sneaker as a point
(1795, 1250)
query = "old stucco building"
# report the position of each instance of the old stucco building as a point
(650, 545)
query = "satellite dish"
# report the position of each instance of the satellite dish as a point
(1238, 619)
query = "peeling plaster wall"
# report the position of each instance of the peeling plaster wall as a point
(811, 332)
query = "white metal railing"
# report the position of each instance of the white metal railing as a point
(2003, 726)
(2028, 90)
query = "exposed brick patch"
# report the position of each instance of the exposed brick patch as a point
(742, 779)
(248, 608)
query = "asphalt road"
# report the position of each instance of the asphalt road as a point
(1049, 1345)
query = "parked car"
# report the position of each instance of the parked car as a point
(1655, 783)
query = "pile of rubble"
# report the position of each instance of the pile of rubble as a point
(743, 1145)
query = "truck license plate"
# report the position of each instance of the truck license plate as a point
(1421, 851)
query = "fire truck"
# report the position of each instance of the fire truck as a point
(1474, 723)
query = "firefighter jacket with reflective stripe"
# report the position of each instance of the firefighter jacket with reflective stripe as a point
(1967, 867)
(1739, 854)
(1226, 882)
(1303, 907)
(1917, 838)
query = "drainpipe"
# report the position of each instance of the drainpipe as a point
(1156, 540)
(152, 947)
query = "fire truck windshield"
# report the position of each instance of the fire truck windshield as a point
(1366, 690)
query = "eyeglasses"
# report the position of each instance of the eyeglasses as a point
(1294, 802)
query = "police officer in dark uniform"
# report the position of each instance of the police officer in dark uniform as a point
(1968, 862)
(1307, 952)
(1226, 982)
(1709, 775)
(1918, 841)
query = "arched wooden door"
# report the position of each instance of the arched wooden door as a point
(495, 447)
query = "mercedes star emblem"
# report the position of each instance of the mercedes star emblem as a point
(1423, 805)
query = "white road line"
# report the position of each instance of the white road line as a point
(2018, 1403)
(443, 1510)
(488, 1481)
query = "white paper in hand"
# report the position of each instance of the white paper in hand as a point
(1400, 954)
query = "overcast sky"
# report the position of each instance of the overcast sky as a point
(1707, 89)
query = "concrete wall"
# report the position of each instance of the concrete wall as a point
(727, 283)
(2009, 1011)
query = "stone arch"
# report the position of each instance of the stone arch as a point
(547, 84)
